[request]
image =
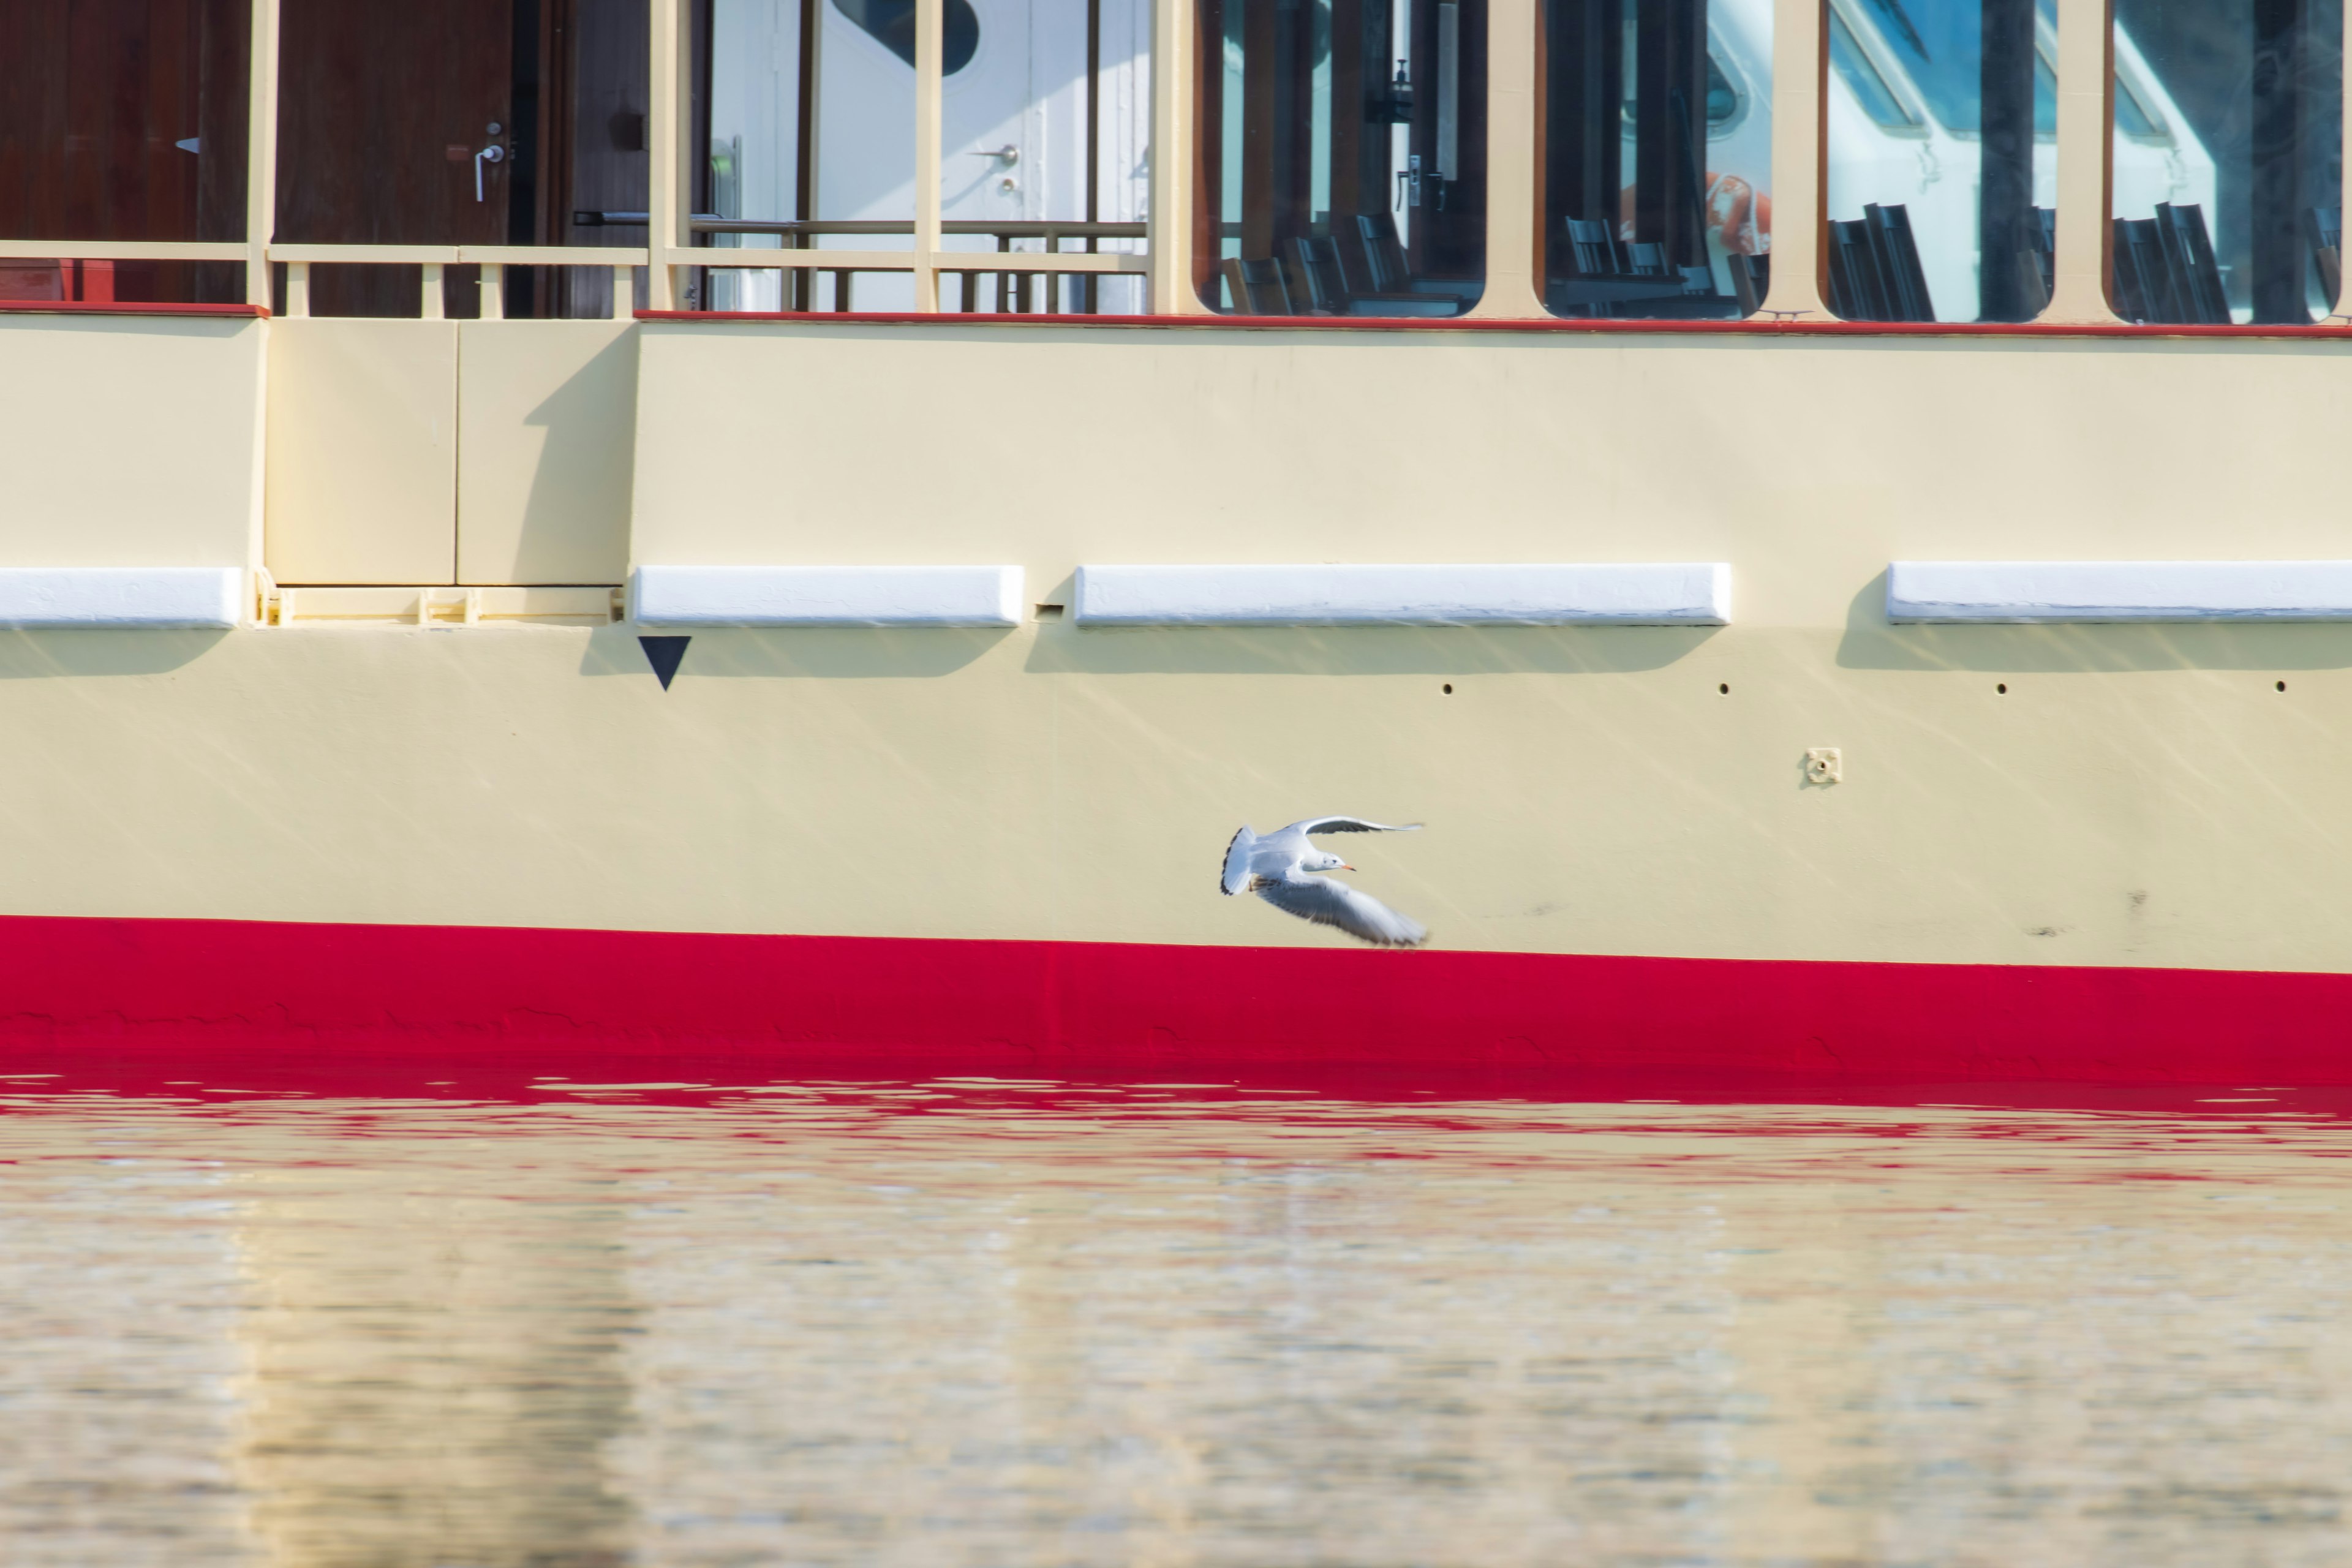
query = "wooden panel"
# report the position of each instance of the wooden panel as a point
(546, 437)
(97, 95)
(362, 452)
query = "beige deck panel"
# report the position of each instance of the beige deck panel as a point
(130, 440)
(546, 417)
(363, 451)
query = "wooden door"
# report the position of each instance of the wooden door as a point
(383, 109)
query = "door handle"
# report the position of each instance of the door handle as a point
(1009, 152)
(493, 154)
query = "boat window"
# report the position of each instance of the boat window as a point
(1952, 215)
(1855, 68)
(2227, 191)
(1722, 100)
(1939, 46)
(1656, 185)
(813, 149)
(1342, 157)
(891, 22)
(2132, 116)
(123, 122)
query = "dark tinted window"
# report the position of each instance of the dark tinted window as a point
(892, 23)
(1653, 194)
(2227, 194)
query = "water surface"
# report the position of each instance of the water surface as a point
(958, 1322)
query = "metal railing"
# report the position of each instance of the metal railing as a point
(1017, 287)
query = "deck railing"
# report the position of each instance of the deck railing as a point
(1018, 285)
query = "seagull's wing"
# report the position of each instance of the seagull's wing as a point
(1350, 825)
(1236, 874)
(1333, 903)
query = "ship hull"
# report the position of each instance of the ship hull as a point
(2064, 849)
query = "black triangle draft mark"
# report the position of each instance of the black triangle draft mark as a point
(665, 654)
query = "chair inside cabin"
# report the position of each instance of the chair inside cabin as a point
(1607, 276)
(1348, 256)
(1874, 273)
(2037, 264)
(1751, 280)
(33, 280)
(1392, 274)
(1314, 276)
(2196, 272)
(1257, 285)
(1320, 279)
(2323, 226)
(1592, 250)
(2164, 269)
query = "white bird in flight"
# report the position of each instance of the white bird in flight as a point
(1277, 868)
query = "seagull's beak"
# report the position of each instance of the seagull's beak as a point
(1345, 866)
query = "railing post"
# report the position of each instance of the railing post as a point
(666, 143)
(1512, 200)
(930, 17)
(2087, 142)
(494, 291)
(1799, 158)
(1168, 229)
(298, 289)
(429, 296)
(261, 150)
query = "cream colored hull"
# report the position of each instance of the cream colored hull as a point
(1586, 792)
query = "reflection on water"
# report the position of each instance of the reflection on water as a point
(967, 1323)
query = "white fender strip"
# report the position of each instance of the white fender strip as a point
(2044, 590)
(1532, 594)
(827, 596)
(95, 598)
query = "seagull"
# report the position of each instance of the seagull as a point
(1276, 868)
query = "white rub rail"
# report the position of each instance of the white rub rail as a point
(827, 595)
(1526, 593)
(2040, 592)
(106, 598)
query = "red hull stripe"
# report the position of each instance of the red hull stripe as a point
(565, 1000)
(126, 308)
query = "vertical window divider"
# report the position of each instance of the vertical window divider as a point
(1514, 192)
(261, 150)
(930, 19)
(2086, 142)
(1799, 158)
(668, 140)
(1167, 227)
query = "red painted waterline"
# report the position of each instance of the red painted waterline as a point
(325, 993)
(1748, 327)
(126, 308)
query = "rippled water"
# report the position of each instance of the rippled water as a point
(982, 1323)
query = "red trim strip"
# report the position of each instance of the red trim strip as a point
(125, 307)
(1748, 327)
(326, 995)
